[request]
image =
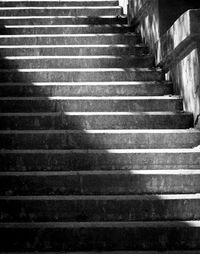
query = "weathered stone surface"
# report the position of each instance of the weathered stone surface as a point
(75, 159)
(89, 121)
(74, 50)
(100, 182)
(99, 139)
(58, 3)
(99, 208)
(69, 39)
(59, 11)
(100, 236)
(123, 88)
(90, 104)
(65, 29)
(62, 20)
(80, 75)
(77, 62)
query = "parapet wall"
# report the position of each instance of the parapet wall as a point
(176, 48)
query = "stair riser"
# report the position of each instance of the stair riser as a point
(75, 51)
(85, 90)
(96, 122)
(58, 3)
(46, 105)
(83, 75)
(98, 210)
(72, 161)
(70, 40)
(120, 62)
(63, 20)
(66, 30)
(98, 141)
(99, 238)
(99, 184)
(61, 11)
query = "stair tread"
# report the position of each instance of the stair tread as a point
(102, 151)
(82, 70)
(143, 197)
(75, 46)
(104, 172)
(159, 172)
(73, 26)
(62, 16)
(70, 35)
(157, 113)
(125, 98)
(61, 7)
(77, 57)
(114, 83)
(129, 224)
(122, 131)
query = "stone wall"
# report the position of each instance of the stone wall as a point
(174, 42)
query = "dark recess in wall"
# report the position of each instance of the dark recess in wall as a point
(171, 10)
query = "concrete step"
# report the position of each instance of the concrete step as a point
(91, 104)
(85, 236)
(64, 29)
(62, 20)
(74, 50)
(46, 3)
(61, 10)
(86, 89)
(80, 75)
(99, 208)
(96, 120)
(19, 62)
(85, 159)
(99, 139)
(112, 182)
(69, 39)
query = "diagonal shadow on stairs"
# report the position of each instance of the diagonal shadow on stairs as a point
(120, 191)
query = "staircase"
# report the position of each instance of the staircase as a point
(96, 151)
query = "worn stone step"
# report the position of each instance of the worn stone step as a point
(80, 75)
(15, 62)
(46, 3)
(112, 182)
(95, 120)
(65, 39)
(85, 236)
(99, 139)
(91, 104)
(73, 50)
(62, 20)
(61, 10)
(100, 208)
(64, 29)
(86, 89)
(99, 159)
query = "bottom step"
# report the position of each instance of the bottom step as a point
(170, 235)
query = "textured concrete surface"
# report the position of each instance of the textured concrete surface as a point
(96, 153)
